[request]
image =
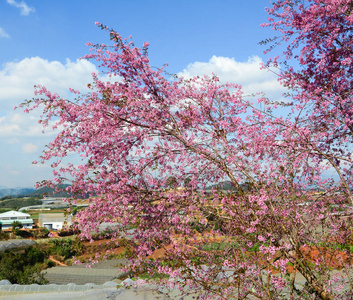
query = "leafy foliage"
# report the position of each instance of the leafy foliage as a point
(23, 268)
(68, 232)
(16, 226)
(65, 247)
(41, 233)
(4, 235)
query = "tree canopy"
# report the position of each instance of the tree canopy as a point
(143, 132)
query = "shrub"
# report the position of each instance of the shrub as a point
(49, 263)
(41, 233)
(34, 255)
(23, 268)
(16, 225)
(68, 232)
(4, 235)
(23, 233)
(65, 247)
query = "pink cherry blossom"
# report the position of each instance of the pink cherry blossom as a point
(153, 146)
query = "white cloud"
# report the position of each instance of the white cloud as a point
(17, 79)
(248, 74)
(17, 125)
(20, 134)
(23, 175)
(7, 129)
(25, 9)
(3, 33)
(29, 148)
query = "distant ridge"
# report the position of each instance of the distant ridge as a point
(224, 185)
(50, 192)
(228, 186)
(15, 191)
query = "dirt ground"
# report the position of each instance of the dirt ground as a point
(334, 258)
(100, 249)
(104, 247)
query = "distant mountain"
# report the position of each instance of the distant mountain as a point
(15, 191)
(224, 185)
(50, 192)
(228, 186)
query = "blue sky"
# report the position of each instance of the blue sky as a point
(41, 42)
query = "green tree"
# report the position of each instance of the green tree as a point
(23, 268)
(172, 182)
(16, 225)
(65, 247)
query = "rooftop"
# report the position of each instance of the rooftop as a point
(13, 213)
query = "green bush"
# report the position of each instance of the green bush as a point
(16, 225)
(35, 255)
(23, 233)
(65, 247)
(4, 235)
(197, 226)
(41, 233)
(49, 263)
(23, 268)
(106, 234)
(68, 232)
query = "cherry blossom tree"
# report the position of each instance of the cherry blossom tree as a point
(143, 133)
(318, 35)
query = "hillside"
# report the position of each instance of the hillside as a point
(16, 203)
(15, 191)
(50, 192)
(228, 186)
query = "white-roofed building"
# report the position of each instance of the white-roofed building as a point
(55, 221)
(7, 218)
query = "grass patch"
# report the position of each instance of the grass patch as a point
(336, 246)
(147, 276)
(219, 246)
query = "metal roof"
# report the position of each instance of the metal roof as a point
(11, 244)
(13, 213)
(23, 221)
